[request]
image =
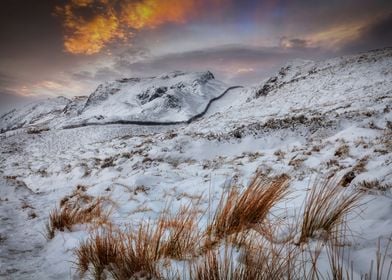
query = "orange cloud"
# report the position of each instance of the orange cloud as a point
(91, 25)
(152, 13)
(82, 3)
(90, 37)
(339, 35)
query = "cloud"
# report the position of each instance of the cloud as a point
(91, 25)
(293, 43)
(7, 85)
(9, 97)
(376, 34)
(6, 80)
(231, 63)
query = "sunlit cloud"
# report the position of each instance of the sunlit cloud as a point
(244, 70)
(339, 35)
(90, 37)
(152, 13)
(90, 25)
(50, 88)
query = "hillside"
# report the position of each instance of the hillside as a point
(311, 119)
(172, 97)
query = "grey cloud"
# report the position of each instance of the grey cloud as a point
(82, 76)
(6, 80)
(10, 100)
(293, 43)
(232, 63)
(134, 54)
(376, 35)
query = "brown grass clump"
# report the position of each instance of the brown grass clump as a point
(141, 251)
(99, 252)
(259, 259)
(242, 241)
(279, 154)
(126, 254)
(122, 254)
(374, 187)
(347, 178)
(296, 162)
(214, 265)
(65, 217)
(342, 151)
(183, 236)
(270, 259)
(336, 251)
(326, 206)
(360, 165)
(242, 211)
(108, 162)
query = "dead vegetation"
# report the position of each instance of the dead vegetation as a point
(183, 234)
(239, 211)
(126, 254)
(279, 154)
(78, 208)
(241, 240)
(326, 207)
(375, 187)
(64, 218)
(108, 162)
(342, 151)
(296, 162)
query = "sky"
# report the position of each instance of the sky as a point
(68, 47)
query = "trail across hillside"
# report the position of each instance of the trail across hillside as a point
(151, 123)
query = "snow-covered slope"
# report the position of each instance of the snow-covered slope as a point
(172, 97)
(37, 113)
(325, 89)
(310, 119)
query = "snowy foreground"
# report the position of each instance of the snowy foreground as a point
(311, 119)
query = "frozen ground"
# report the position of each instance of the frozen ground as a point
(310, 119)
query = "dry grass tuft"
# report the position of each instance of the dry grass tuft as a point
(259, 259)
(183, 236)
(215, 265)
(279, 154)
(342, 151)
(123, 254)
(243, 240)
(99, 252)
(141, 251)
(270, 259)
(375, 187)
(296, 162)
(238, 212)
(65, 217)
(326, 207)
(336, 253)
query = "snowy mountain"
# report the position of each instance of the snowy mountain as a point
(175, 96)
(311, 119)
(172, 97)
